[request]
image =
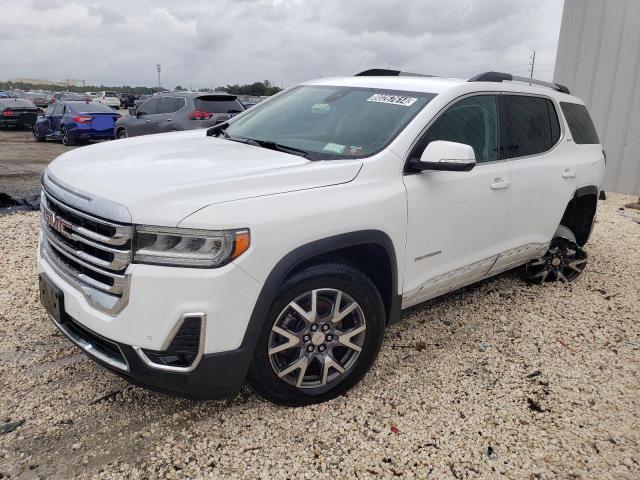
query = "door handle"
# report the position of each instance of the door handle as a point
(499, 184)
(147, 121)
(169, 119)
(568, 173)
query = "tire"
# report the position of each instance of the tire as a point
(37, 137)
(564, 261)
(324, 357)
(66, 140)
(121, 133)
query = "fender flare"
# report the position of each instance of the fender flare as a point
(294, 258)
(587, 190)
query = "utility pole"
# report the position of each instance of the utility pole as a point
(159, 83)
(532, 64)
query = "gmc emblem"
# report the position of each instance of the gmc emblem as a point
(60, 225)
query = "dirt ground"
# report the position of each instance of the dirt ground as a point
(22, 161)
(499, 380)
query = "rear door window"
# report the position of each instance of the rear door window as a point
(580, 124)
(532, 124)
(219, 104)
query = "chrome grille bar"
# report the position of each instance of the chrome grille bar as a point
(92, 251)
(122, 235)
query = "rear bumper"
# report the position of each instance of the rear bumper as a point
(17, 121)
(108, 135)
(217, 375)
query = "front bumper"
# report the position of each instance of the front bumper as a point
(157, 300)
(217, 375)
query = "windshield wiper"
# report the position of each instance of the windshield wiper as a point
(271, 145)
(216, 130)
(221, 128)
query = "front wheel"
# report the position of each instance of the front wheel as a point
(564, 261)
(121, 133)
(321, 336)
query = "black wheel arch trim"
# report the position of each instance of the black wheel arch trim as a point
(243, 356)
(586, 190)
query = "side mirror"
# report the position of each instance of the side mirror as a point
(441, 155)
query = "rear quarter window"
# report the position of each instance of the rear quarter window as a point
(582, 129)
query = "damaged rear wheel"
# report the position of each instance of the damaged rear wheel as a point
(564, 261)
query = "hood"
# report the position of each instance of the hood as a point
(163, 178)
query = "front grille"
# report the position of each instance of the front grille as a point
(90, 250)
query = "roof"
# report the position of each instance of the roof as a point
(438, 85)
(408, 83)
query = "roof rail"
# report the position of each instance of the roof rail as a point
(385, 72)
(499, 77)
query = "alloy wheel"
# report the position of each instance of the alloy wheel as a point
(317, 338)
(564, 261)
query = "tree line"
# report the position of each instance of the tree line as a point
(264, 88)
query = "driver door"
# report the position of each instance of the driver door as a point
(457, 220)
(142, 123)
(55, 119)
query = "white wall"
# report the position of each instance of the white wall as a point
(599, 60)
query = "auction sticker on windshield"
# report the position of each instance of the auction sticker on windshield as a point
(392, 99)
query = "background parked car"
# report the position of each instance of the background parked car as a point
(38, 99)
(67, 97)
(17, 112)
(3, 94)
(75, 121)
(178, 111)
(110, 99)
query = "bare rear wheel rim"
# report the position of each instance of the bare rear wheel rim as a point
(317, 339)
(564, 261)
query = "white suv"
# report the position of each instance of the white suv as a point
(278, 246)
(109, 99)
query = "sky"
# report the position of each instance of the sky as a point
(210, 43)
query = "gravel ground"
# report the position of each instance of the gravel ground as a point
(500, 379)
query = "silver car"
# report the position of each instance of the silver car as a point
(175, 111)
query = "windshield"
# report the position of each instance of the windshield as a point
(89, 107)
(330, 121)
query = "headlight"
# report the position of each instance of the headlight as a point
(184, 247)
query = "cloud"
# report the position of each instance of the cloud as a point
(210, 43)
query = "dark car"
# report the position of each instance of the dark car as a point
(17, 112)
(176, 111)
(69, 97)
(75, 121)
(128, 100)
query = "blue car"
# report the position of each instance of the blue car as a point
(77, 121)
